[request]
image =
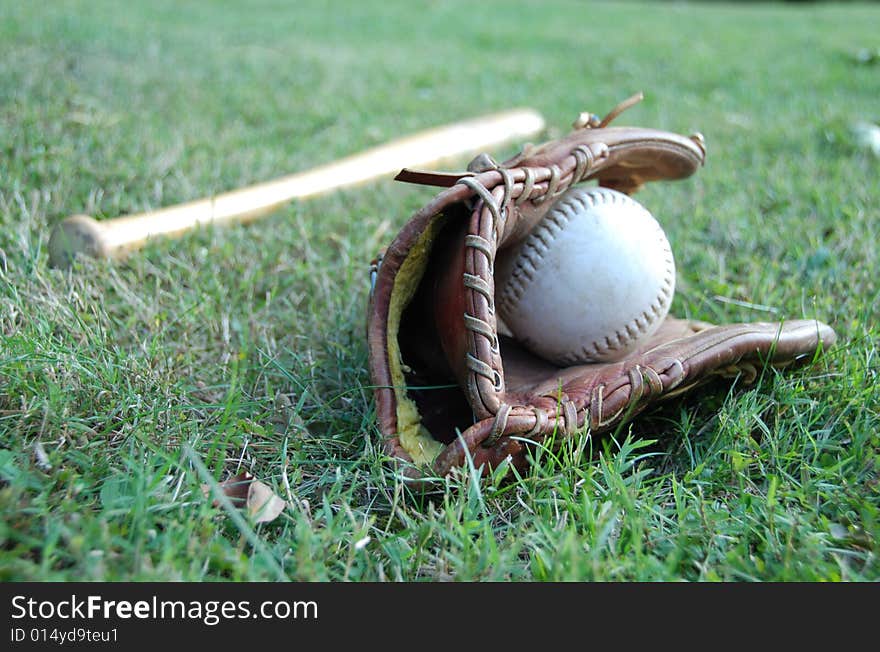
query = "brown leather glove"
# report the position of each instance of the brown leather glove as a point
(448, 384)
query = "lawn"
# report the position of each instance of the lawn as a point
(125, 386)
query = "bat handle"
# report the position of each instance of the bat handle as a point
(76, 234)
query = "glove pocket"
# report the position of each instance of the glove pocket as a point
(420, 405)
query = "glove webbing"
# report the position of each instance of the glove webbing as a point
(488, 224)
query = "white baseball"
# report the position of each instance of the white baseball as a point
(593, 279)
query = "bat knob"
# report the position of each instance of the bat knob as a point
(76, 234)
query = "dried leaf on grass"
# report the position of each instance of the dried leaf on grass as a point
(235, 488)
(262, 504)
(257, 498)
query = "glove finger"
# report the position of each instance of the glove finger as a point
(625, 388)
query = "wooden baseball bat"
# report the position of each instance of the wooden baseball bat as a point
(118, 236)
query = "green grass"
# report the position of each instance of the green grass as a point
(246, 346)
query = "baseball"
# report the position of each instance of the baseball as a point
(592, 281)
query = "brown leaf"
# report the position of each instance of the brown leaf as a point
(263, 504)
(235, 488)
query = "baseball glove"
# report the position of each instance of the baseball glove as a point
(449, 383)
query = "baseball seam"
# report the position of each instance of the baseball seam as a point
(538, 243)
